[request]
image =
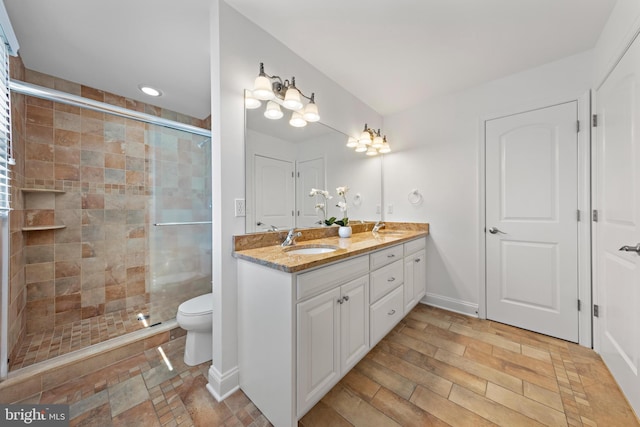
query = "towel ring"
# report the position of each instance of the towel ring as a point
(415, 198)
(357, 199)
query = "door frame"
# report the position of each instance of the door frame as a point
(585, 325)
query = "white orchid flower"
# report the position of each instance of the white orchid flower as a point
(342, 190)
(320, 206)
(342, 206)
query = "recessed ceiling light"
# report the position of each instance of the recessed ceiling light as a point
(149, 90)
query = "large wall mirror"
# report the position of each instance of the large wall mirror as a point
(283, 164)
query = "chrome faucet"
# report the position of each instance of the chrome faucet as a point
(378, 226)
(291, 238)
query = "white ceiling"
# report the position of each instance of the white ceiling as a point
(391, 54)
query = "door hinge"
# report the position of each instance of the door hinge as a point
(594, 120)
(578, 126)
(594, 217)
(579, 305)
(596, 310)
(578, 215)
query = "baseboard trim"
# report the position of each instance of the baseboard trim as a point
(451, 304)
(224, 385)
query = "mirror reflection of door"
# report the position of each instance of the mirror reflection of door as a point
(319, 153)
(274, 195)
(310, 175)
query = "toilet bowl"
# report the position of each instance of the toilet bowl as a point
(195, 316)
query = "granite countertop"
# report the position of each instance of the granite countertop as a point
(364, 241)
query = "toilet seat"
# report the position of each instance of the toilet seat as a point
(197, 306)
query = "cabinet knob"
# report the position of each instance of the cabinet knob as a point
(391, 279)
(340, 301)
(346, 297)
(391, 256)
(391, 313)
(418, 259)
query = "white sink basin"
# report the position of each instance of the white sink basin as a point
(310, 249)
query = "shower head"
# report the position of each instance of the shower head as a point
(203, 142)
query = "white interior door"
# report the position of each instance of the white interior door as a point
(617, 200)
(274, 192)
(310, 175)
(531, 220)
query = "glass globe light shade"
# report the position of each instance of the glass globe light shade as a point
(385, 148)
(365, 138)
(273, 111)
(361, 148)
(292, 99)
(297, 120)
(377, 142)
(371, 151)
(262, 88)
(251, 102)
(352, 142)
(310, 113)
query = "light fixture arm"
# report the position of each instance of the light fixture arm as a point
(280, 86)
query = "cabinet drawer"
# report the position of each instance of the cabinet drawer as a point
(385, 256)
(385, 314)
(386, 278)
(324, 278)
(414, 246)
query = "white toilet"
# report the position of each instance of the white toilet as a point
(196, 316)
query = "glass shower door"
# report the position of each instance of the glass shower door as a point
(179, 219)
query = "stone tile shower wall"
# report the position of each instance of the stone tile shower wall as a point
(98, 263)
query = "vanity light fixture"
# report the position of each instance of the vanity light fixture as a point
(283, 93)
(370, 142)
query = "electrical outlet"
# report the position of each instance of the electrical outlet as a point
(240, 207)
(377, 209)
(390, 208)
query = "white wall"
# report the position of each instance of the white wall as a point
(437, 147)
(237, 48)
(623, 24)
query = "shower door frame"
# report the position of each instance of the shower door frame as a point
(28, 89)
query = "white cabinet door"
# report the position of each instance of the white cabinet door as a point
(415, 279)
(354, 322)
(617, 199)
(318, 347)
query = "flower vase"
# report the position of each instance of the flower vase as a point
(344, 231)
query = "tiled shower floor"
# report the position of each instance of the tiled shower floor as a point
(64, 339)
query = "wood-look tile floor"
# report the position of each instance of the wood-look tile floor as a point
(439, 368)
(436, 368)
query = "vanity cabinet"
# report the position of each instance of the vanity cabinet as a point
(415, 273)
(300, 333)
(333, 335)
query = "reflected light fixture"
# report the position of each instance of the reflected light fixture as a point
(369, 142)
(250, 102)
(273, 111)
(283, 93)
